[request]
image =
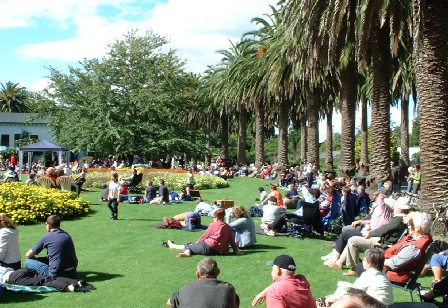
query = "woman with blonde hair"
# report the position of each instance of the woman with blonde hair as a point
(243, 227)
(9, 243)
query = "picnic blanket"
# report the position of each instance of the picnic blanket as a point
(28, 289)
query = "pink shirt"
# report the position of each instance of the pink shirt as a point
(219, 236)
(290, 291)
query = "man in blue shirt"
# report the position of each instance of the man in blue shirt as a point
(61, 257)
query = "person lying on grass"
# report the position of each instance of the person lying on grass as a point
(29, 277)
(215, 240)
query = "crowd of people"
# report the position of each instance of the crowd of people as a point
(381, 226)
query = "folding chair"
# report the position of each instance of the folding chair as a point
(195, 194)
(136, 180)
(412, 284)
(65, 182)
(310, 221)
(45, 182)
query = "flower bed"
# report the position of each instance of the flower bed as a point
(175, 179)
(30, 203)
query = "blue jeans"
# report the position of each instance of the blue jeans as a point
(300, 203)
(39, 266)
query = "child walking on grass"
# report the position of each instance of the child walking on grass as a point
(114, 195)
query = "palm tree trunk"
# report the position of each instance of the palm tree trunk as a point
(382, 63)
(242, 136)
(348, 112)
(404, 128)
(430, 60)
(329, 141)
(208, 154)
(283, 121)
(225, 136)
(313, 128)
(303, 140)
(259, 135)
(364, 163)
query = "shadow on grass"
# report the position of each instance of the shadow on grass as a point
(257, 248)
(98, 276)
(15, 297)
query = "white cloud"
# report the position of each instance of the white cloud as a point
(195, 28)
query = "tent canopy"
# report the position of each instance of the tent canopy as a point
(43, 146)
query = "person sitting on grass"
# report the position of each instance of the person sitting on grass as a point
(61, 257)
(243, 226)
(150, 192)
(373, 281)
(271, 212)
(9, 243)
(206, 291)
(29, 277)
(215, 240)
(288, 289)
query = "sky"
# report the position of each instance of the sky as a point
(36, 34)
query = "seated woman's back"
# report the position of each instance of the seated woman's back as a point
(243, 227)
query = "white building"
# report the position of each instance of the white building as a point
(14, 125)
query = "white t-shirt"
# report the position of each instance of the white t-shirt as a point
(114, 189)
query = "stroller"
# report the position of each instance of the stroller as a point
(302, 226)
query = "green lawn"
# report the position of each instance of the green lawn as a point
(125, 260)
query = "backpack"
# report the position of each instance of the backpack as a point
(171, 224)
(255, 211)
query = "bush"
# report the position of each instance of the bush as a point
(30, 203)
(174, 179)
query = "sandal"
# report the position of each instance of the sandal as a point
(422, 296)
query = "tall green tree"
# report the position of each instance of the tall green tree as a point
(129, 101)
(431, 69)
(13, 98)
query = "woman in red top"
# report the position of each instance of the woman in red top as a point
(215, 240)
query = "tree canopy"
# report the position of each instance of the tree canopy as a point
(133, 100)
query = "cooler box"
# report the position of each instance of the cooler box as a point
(225, 204)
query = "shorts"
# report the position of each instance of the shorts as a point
(200, 248)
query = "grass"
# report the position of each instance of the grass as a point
(124, 259)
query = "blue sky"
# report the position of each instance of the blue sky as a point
(36, 34)
(41, 33)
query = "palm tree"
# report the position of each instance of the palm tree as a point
(364, 96)
(431, 70)
(13, 98)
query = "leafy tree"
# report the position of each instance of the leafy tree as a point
(132, 100)
(414, 139)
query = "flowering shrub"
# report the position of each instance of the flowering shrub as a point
(175, 179)
(30, 203)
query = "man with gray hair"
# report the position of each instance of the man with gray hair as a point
(406, 255)
(207, 291)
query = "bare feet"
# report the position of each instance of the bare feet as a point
(183, 255)
(335, 265)
(350, 273)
